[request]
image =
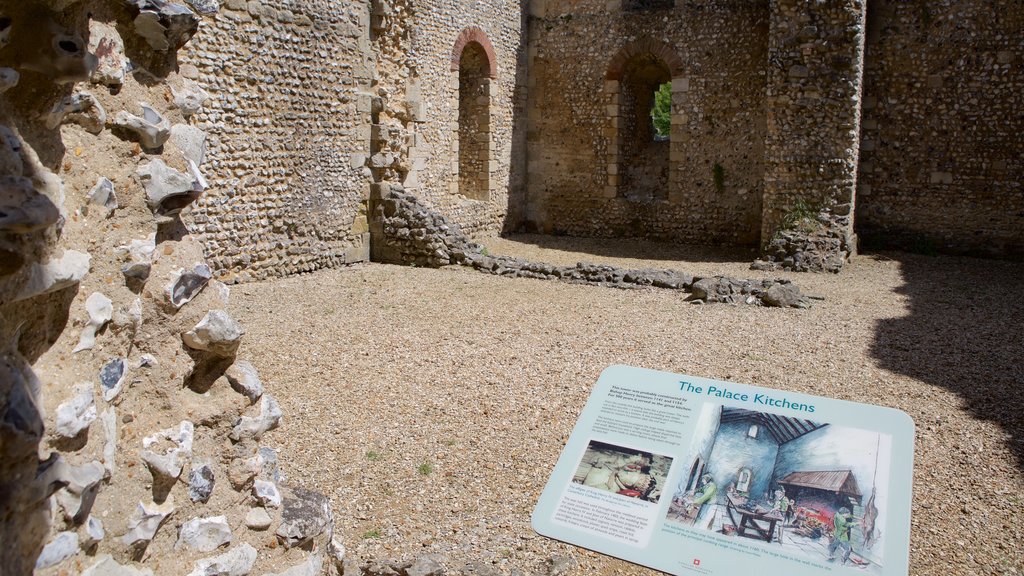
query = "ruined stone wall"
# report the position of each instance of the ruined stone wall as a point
(576, 184)
(289, 135)
(942, 158)
(433, 88)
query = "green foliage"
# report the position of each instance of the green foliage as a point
(371, 534)
(373, 456)
(661, 113)
(425, 469)
(718, 174)
(802, 215)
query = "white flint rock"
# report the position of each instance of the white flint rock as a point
(106, 44)
(107, 566)
(204, 6)
(235, 562)
(217, 333)
(146, 520)
(189, 97)
(151, 128)
(177, 448)
(62, 547)
(94, 532)
(268, 419)
(245, 380)
(109, 420)
(53, 275)
(168, 191)
(139, 254)
(81, 108)
(257, 519)
(336, 550)
(191, 141)
(83, 483)
(22, 208)
(266, 493)
(103, 197)
(11, 162)
(204, 534)
(76, 414)
(187, 284)
(201, 481)
(112, 378)
(8, 79)
(100, 310)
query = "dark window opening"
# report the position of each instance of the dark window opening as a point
(474, 123)
(637, 5)
(644, 142)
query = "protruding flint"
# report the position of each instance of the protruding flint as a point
(8, 79)
(106, 44)
(204, 534)
(151, 128)
(22, 208)
(245, 380)
(112, 378)
(103, 197)
(186, 285)
(268, 419)
(167, 190)
(139, 254)
(145, 522)
(201, 482)
(11, 163)
(266, 493)
(100, 310)
(165, 26)
(205, 7)
(94, 532)
(107, 566)
(62, 547)
(191, 141)
(217, 333)
(189, 98)
(311, 567)
(109, 421)
(258, 519)
(58, 274)
(76, 414)
(81, 108)
(83, 483)
(236, 562)
(166, 451)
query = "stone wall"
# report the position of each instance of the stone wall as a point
(289, 135)
(942, 159)
(580, 118)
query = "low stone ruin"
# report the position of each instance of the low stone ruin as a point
(407, 231)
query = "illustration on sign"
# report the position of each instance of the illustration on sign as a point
(693, 476)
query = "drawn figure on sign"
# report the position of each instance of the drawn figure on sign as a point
(842, 523)
(705, 496)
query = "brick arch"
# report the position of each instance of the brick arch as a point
(645, 46)
(475, 34)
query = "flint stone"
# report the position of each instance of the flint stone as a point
(62, 547)
(106, 44)
(94, 533)
(305, 515)
(200, 483)
(204, 7)
(269, 468)
(266, 493)
(268, 419)
(140, 258)
(782, 296)
(81, 108)
(186, 285)
(112, 378)
(204, 534)
(103, 196)
(23, 210)
(310, 567)
(258, 519)
(189, 98)
(109, 420)
(83, 483)
(167, 190)
(152, 129)
(54, 275)
(76, 414)
(107, 566)
(8, 79)
(560, 564)
(217, 333)
(426, 566)
(480, 569)
(235, 562)
(163, 25)
(11, 162)
(173, 459)
(245, 380)
(100, 310)
(145, 522)
(191, 141)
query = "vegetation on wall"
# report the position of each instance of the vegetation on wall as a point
(661, 112)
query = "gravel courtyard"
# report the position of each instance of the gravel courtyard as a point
(430, 405)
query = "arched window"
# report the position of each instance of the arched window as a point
(473, 62)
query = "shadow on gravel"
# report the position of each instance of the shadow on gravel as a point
(638, 248)
(964, 333)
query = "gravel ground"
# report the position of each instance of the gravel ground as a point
(430, 405)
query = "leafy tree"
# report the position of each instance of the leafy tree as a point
(661, 113)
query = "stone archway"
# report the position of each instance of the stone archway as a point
(640, 167)
(474, 67)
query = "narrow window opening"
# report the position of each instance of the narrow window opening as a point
(645, 111)
(474, 123)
